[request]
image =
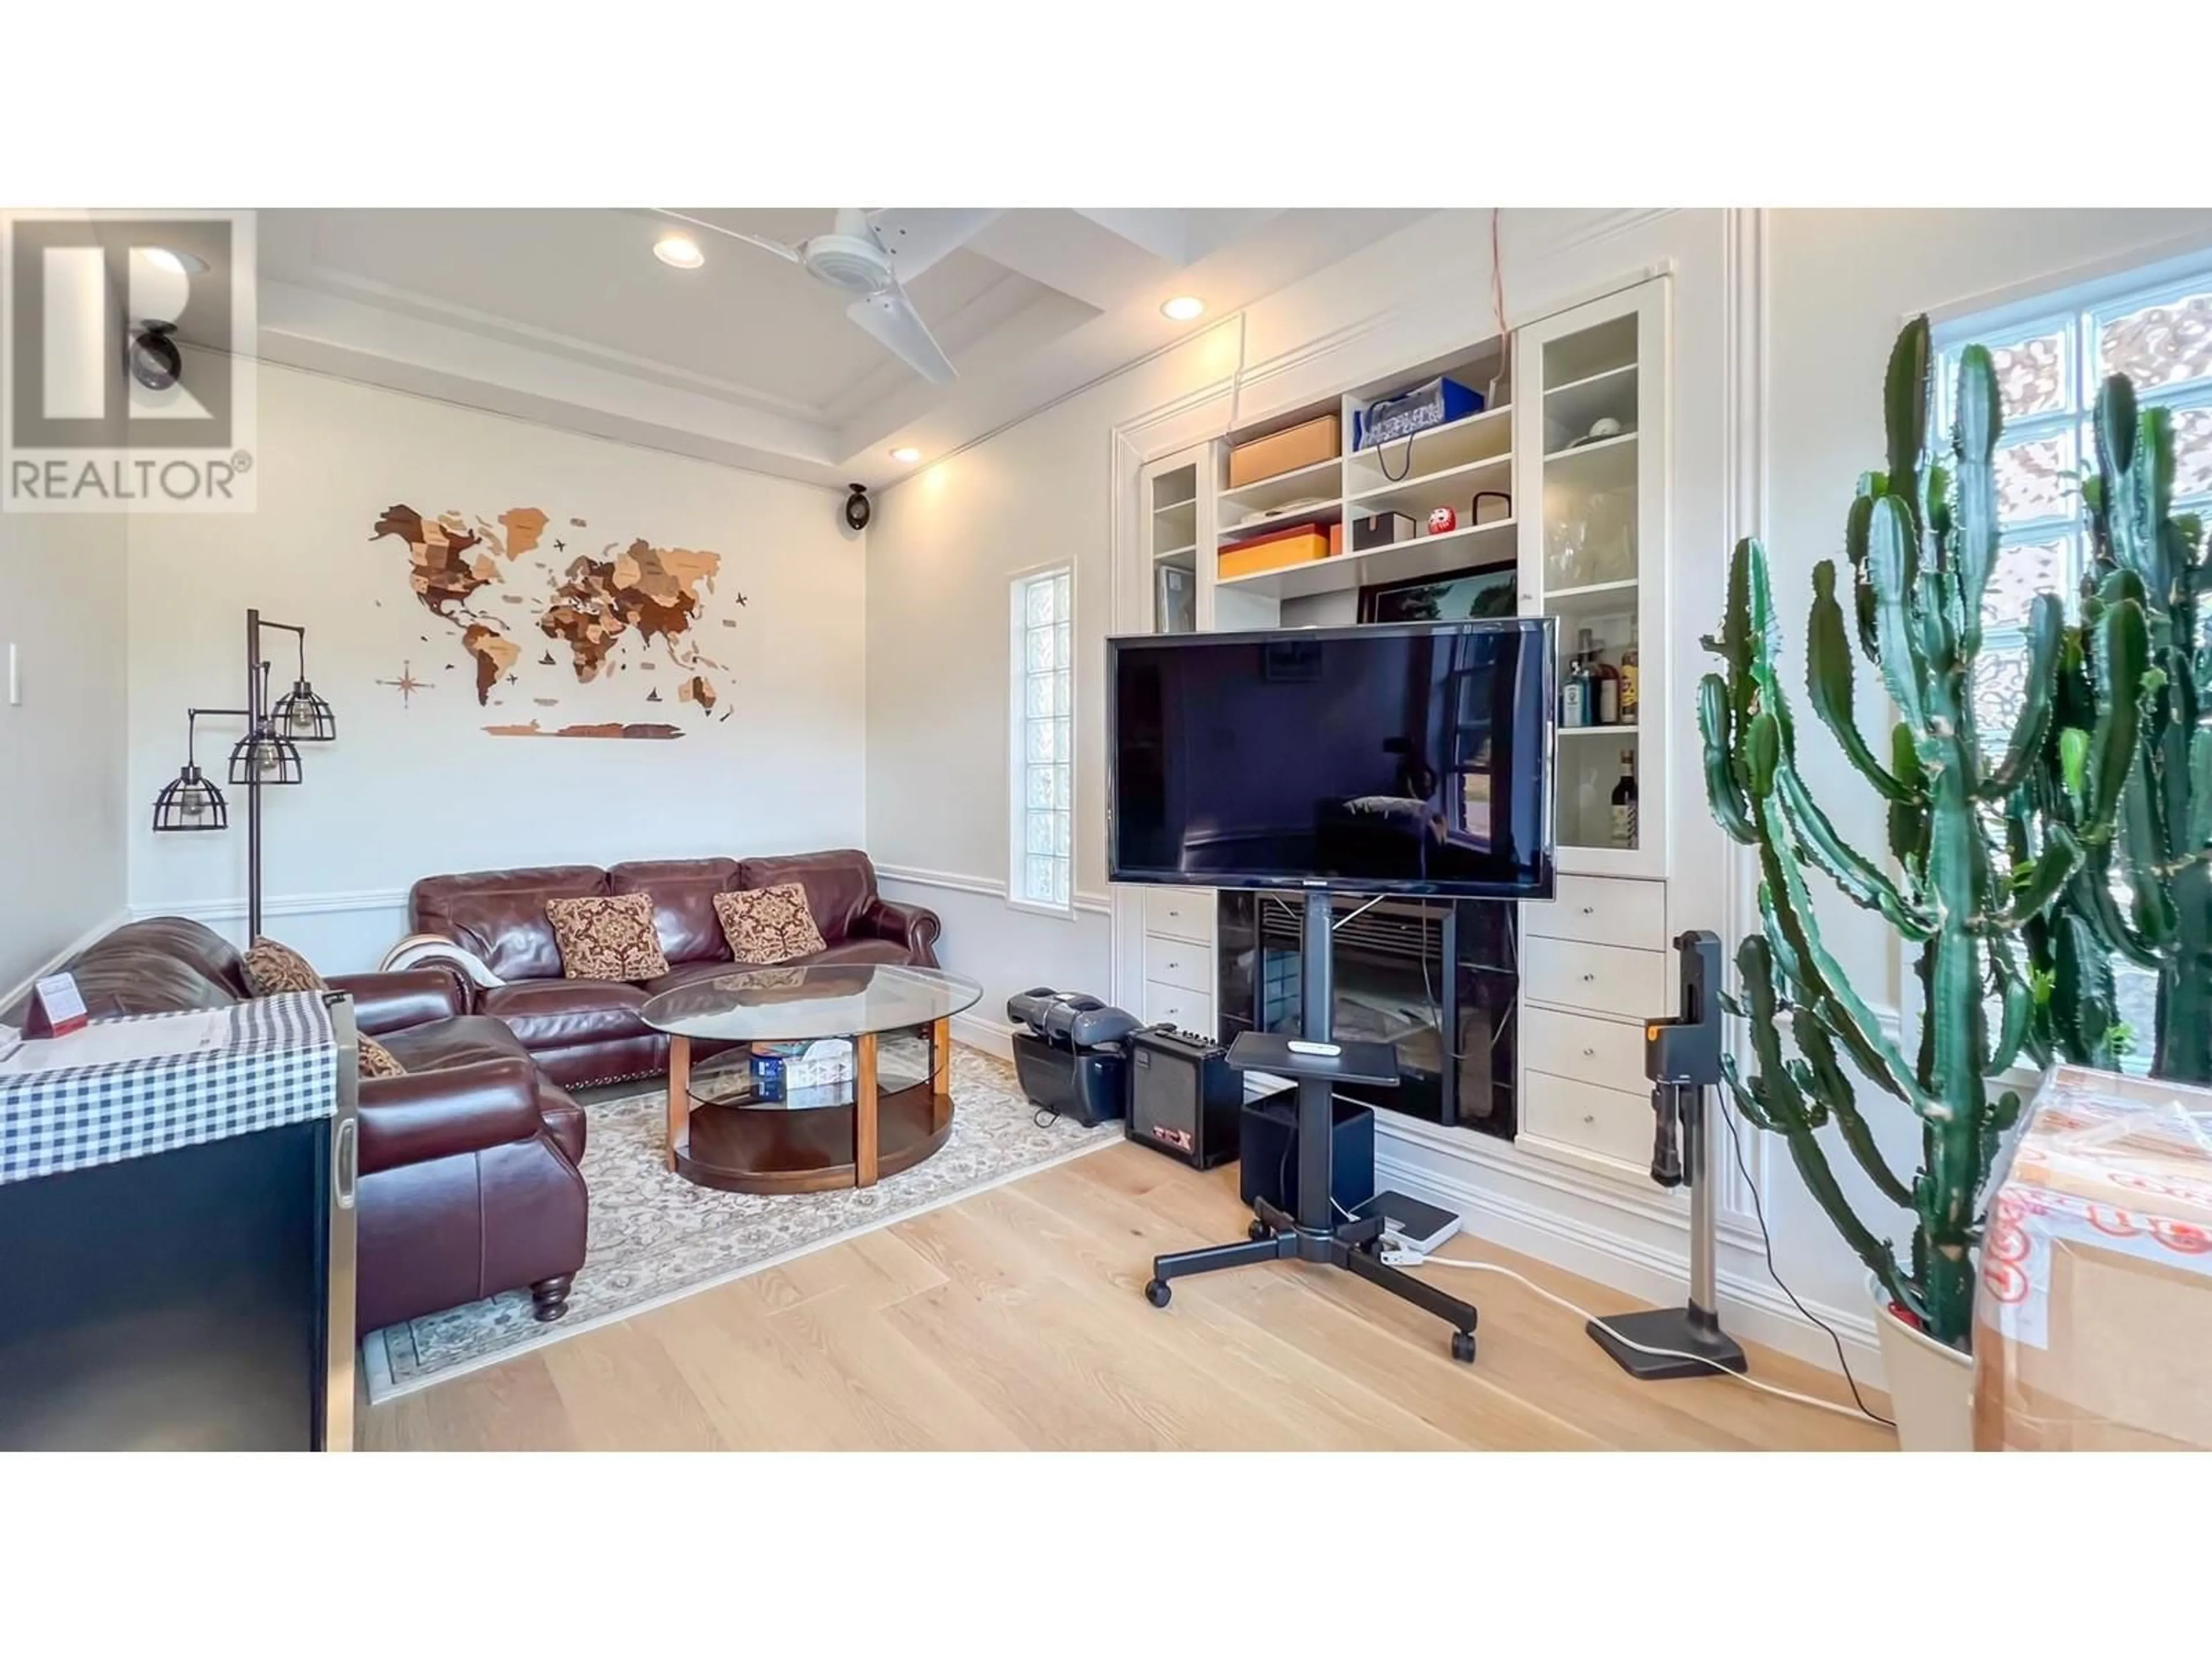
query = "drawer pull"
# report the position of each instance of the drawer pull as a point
(1589, 1054)
(1587, 978)
(1590, 1117)
(1589, 909)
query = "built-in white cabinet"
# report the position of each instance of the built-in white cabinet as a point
(1556, 499)
(1590, 433)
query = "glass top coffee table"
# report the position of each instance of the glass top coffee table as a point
(724, 1131)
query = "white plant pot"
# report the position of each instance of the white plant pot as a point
(1931, 1384)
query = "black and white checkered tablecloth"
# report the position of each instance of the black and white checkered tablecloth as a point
(278, 1066)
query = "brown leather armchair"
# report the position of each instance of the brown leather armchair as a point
(469, 1181)
(585, 1030)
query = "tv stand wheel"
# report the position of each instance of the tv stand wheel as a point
(1158, 1293)
(1258, 1230)
(1463, 1346)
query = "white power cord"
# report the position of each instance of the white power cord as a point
(1399, 1256)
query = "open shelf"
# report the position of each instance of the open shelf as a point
(1589, 352)
(1451, 486)
(1485, 435)
(1320, 478)
(1627, 731)
(1183, 558)
(1322, 513)
(1478, 545)
(1610, 463)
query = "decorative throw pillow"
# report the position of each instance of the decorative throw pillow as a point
(768, 924)
(607, 937)
(377, 1061)
(271, 969)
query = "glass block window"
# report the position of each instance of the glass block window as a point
(1042, 822)
(2051, 355)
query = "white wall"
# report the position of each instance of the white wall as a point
(63, 813)
(416, 788)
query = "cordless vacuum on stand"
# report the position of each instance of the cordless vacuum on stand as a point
(1682, 1057)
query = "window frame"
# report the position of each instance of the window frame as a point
(1017, 723)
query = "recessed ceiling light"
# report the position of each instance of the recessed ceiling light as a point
(1183, 308)
(176, 263)
(678, 250)
(906, 455)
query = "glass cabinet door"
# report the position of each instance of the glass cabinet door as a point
(1591, 414)
(1170, 503)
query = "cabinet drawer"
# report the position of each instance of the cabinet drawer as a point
(1599, 1051)
(1602, 910)
(1602, 978)
(1171, 1005)
(1180, 913)
(1606, 1121)
(1179, 962)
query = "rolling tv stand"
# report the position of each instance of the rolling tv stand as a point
(1314, 1234)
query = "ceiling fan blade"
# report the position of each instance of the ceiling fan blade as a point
(917, 238)
(891, 317)
(784, 249)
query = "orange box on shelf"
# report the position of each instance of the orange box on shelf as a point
(1302, 545)
(1258, 460)
(1336, 539)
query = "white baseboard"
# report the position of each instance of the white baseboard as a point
(90, 936)
(1752, 1307)
(980, 1031)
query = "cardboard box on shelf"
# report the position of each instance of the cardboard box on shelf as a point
(2094, 1320)
(1258, 460)
(1301, 545)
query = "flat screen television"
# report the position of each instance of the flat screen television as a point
(1413, 757)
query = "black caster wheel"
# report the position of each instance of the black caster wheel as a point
(1463, 1346)
(1157, 1292)
(1258, 1230)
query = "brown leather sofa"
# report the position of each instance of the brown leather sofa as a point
(586, 1030)
(469, 1182)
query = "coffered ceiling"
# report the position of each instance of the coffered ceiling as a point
(564, 315)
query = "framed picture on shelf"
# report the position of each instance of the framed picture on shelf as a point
(1452, 596)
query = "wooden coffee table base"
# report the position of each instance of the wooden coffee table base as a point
(748, 1148)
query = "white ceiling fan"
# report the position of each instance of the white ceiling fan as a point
(872, 255)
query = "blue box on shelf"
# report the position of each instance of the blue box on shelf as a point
(1413, 411)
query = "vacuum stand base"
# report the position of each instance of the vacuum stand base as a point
(1683, 1330)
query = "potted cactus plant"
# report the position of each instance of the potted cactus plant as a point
(1920, 539)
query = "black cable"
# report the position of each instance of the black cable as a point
(1766, 1244)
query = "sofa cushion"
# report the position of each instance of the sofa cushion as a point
(458, 1041)
(839, 886)
(682, 893)
(552, 1013)
(377, 1061)
(499, 916)
(608, 936)
(272, 969)
(769, 924)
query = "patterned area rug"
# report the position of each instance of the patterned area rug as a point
(654, 1236)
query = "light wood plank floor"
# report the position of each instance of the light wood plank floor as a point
(1012, 1319)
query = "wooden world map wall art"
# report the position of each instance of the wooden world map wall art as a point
(497, 584)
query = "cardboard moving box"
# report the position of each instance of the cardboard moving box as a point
(1303, 445)
(2094, 1320)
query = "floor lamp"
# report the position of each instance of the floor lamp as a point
(268, 756)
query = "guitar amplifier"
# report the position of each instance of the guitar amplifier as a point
(1183, 1098)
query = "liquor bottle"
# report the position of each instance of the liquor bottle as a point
(1573, 710)
(1624, 802)
(1605, 692)
(1628, 691)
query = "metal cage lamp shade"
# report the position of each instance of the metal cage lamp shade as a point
(266, 756)
(190, 801)
(300, 714)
